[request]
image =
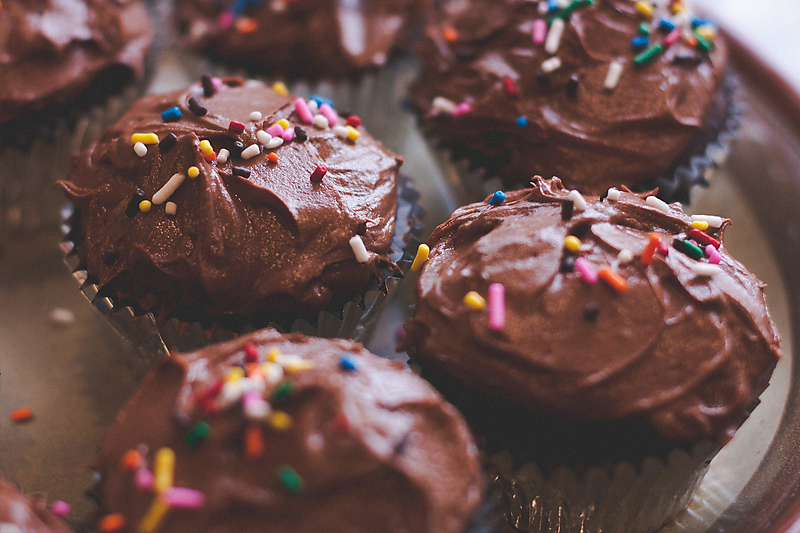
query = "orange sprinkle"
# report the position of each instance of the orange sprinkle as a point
(210, 157)
(650, 249)
(253, 441)
(614, 280)
(21, 415)
(450, 34)
(252, 369)
(112, 522)
(131, 460)
(273, 157)
(246, 25)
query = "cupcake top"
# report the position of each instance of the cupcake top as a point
(288, 434)
(224, 201)
(601, 92)
(25, 514)
(612, 308)
(53, 52)
(301, 38)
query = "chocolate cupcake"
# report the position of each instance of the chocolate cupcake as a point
(223, 205)
(600, 93)
(288, 434)
(66, 71)
(607, 346)
(25, 514)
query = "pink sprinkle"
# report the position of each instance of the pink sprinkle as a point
(586, 271)
(672, 37)
(225, 20)
(302, 109)
(497, 306)
(276, 130)
(217, 83)
(184, 498)
(539, 31)
(144, 479)
(250, 397)
(462, 109)
(60, 508)
(328, 112)
(714, 256)
(288, 134)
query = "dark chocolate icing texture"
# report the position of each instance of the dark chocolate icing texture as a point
(682, 344)
(53, 51)
(255, 232)
(305, 38)
(298, 435)
(502, 108)
(25, 514)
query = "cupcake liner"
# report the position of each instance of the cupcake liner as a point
(472, 180)
(350, 319)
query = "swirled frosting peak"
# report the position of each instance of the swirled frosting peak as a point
(588, 308)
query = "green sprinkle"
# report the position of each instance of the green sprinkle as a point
(198, 434)
(290, 479)
(695, 252)
(571, 8)
(644, 28)
(702, 42)
(284, 387)
(648, 54)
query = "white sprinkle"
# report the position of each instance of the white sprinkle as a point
(252, 385)
(543, 8)
(613, 194)
(315, 442)
(263, 137)
(624, 256)
(273, 143)
(169, 187)
(321, 122)
(60, 316)
(171, 208)
(713, 221)
(578, 202)
(256, 409)
(554, 63)
(341, 131)
(231, 392)
(658, 203)
(140, 149)
(362, 256)
(251, 151)
(223, 155)
(441, 104)
(705, 269)
(562, 3)
(614, 74)
(256, 116)
(553, 40)
(273, 374)
(313, 106)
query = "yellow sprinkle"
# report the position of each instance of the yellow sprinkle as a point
(283, 123)
(572, 243)
(193, 172)
(273, 355)
(280, 88)
(702, 225)
(352, 133)
(280, 420)
(144, 138)
(165, 469)
(645, 8)
(154, 515)
(145, 205)
(474, 300)
(205, 147)
(294, 365)
(678, 8)
(706, 32)
(420, 258)
(235, 374)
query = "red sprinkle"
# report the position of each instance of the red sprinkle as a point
(318, 174)
(250, 352)
(663, 248)
(509, 87)
(235, 127)
(112, 522)
(341, 423)
(21, 415)
(704, 238)
(354, 121)
(132, 460)
(210, 157)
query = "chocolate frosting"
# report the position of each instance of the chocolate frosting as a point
(685, 353)
(375, 447)
(25, 514)
(597, 138)
(250, 235)
(306, 38)
(53, 51)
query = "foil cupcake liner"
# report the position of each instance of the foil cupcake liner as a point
(354, 319)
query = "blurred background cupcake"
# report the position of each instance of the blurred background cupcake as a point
(27, 514)
(604, 348)
(67, 70)
(600, 93)
(287, 434)
(229, 205)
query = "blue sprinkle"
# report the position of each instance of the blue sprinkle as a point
(696, 22)
(321, 100)
(347, 364)
(498, 198)
(640, 42)
(666, 26)
(552, 5)
(522, 122)
(173, 114)
(239, 7)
